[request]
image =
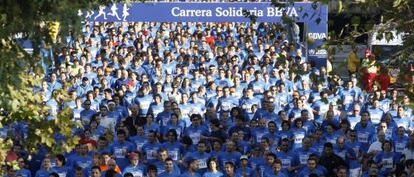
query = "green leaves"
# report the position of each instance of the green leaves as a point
(17, 94)
(340, 6)
(396, 3)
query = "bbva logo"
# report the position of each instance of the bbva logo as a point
(317, 35)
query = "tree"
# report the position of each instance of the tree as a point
(20, 72)
(393, 15)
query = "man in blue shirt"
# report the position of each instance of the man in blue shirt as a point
(348, 96)
(201, 155)
(247, 102)
(375, 113)
(87, 113)
(240, 125)
(169, 169)
(401, 119)
(196, 131)
(150, 148)
(226, 102)
(144, 100)
(83, 159)
(192, 167)
(121, 148)
(174, 148)
(354, 118)
(289, 163)
(311, 169)
(365, 131)
(135, 168)
(53, 84)
(277, 170)
(156, 106)
(257, 84)
(83, 88)
(162, 162)
(303, 153)
(229, 155)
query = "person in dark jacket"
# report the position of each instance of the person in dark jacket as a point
(330, 160)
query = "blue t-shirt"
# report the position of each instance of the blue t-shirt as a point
(120, 151)
(211, 174)
(137, 171)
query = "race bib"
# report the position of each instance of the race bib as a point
(323, 109)
(376, 118)
(196, 137)
(137, 174)
(387, 162)
(139, 146)
(283, 100)
(247, 108)
(63, 174)
(202, 163)
(165, 120)
(402, 124)
(76, 115)
(256, 88)
(303, 159)
(151, 154)
(259, 137)
(119, 153)
(348, 99)
(83, 165)
(299, 138)
(399, 147)
(285, 163)
(225, 106)
(144, 104)
(363, 137)
(174, 155)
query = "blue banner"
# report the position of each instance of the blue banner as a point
(313, 15)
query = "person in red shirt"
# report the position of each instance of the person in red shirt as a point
(384, 78)
(210, 39)
(86, 138)
(369, 70)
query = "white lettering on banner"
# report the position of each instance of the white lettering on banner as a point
(177, 12)
(317, 35)
(233, 12)
(278, 12)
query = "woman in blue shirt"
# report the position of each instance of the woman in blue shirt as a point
(297, 133)
(213, 171)
(60, 167)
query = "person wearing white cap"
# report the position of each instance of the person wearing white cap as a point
(244, 169)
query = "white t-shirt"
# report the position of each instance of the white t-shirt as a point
(409, 153)
(376, 146)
